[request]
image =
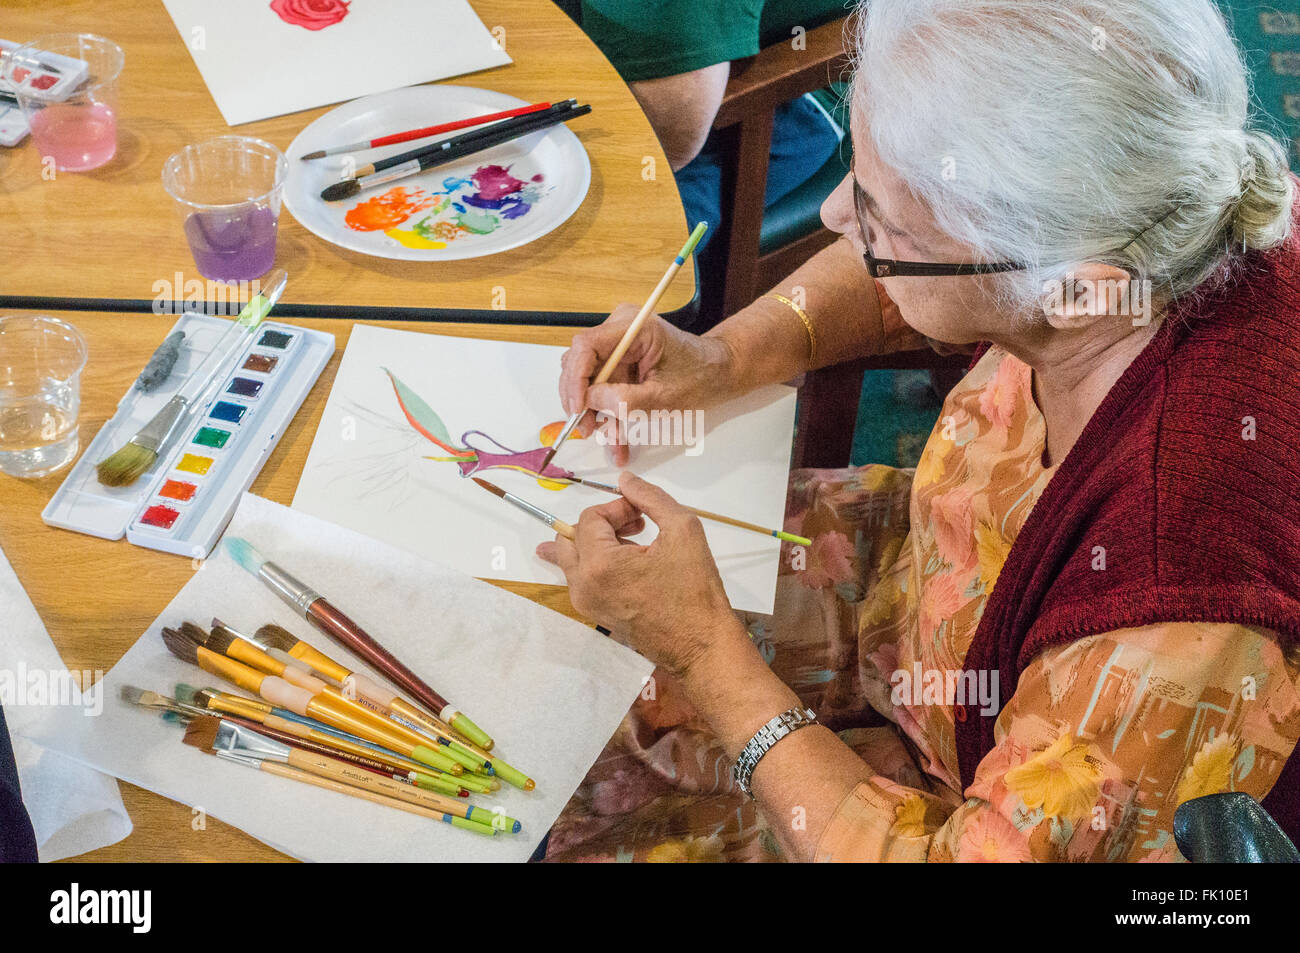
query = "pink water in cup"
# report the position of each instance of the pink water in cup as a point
(77, 129)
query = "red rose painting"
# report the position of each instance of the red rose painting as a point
(311, 14)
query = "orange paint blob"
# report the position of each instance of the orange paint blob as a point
(548, 434)
(386, 211)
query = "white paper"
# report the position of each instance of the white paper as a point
(549, 690)
(257, 65)
(368, 467)
(73, 809)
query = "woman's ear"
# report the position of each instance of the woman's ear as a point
(1090, 292)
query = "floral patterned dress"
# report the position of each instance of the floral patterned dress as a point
(1102, 740)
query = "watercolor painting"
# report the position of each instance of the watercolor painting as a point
(411, 416)
(477, 205)
(311, 14)
(263, 58)
(471, 459)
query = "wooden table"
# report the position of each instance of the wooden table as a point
(102, 239)
(97, 596)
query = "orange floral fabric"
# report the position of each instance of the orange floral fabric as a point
(1102, 740)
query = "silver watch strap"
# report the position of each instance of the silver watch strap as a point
(763, 740)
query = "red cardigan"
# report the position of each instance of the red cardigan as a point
(1198, 522)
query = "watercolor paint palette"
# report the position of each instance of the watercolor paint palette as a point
(490, 202)
(63, 76)
(182, 504)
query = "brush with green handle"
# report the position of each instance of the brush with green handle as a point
(134, 458)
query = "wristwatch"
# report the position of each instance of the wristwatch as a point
(763, 740)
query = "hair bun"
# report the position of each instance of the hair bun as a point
(1263, 215)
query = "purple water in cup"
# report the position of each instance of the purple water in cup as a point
(227, 191)
(230, 246)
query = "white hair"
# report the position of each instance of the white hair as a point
(1058, 132)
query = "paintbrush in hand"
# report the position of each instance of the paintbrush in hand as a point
(625, 342)
(133, 459)
(536, 512)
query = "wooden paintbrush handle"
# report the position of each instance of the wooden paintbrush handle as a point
(285, 771)
(326, 767)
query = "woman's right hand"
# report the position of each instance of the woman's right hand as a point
(664, 369)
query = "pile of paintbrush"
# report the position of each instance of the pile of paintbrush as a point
(316, 721)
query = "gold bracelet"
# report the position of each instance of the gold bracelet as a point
(807, 325)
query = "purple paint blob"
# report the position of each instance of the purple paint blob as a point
(495, 182)
(528, 460)
(235, 245)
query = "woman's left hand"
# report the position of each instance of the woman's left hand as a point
(666, 600)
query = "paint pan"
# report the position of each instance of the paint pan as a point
(183, 503)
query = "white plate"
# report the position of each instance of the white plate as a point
(552, 167)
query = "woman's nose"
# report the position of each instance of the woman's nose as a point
(837, 210)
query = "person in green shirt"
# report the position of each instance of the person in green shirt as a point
(676, 57)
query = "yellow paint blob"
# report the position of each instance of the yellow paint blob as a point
(191, 463)
(411, 239)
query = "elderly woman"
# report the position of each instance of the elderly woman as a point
(1083, 607)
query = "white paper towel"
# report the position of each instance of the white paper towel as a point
(73, 808)
(549, 690)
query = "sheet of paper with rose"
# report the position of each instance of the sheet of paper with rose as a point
(264, 58)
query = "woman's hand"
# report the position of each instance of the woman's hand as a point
(664, 369)
(665, 600)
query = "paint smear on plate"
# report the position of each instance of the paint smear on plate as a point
(478, 205)
(388, 210)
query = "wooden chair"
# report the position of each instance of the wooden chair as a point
(758, 85)
(829, 398)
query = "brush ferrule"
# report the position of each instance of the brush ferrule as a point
(291, 590)
(238, 758)
(155, 434)
(249, 744)
(529, 508)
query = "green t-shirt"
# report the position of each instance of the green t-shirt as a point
(647, 39)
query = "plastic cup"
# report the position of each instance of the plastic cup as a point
(227, 191)
(78, 130)
(40, 394)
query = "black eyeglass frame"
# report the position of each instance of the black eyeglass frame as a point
(890, 268)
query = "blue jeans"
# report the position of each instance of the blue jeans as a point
(802, 141)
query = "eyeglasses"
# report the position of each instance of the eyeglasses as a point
(888, 268)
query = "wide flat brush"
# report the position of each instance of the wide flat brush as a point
(227, 735)
(198, 737)
(137, 455)
(219, 703)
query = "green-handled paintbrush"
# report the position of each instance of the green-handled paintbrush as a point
(138, 454)
(630, 334)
